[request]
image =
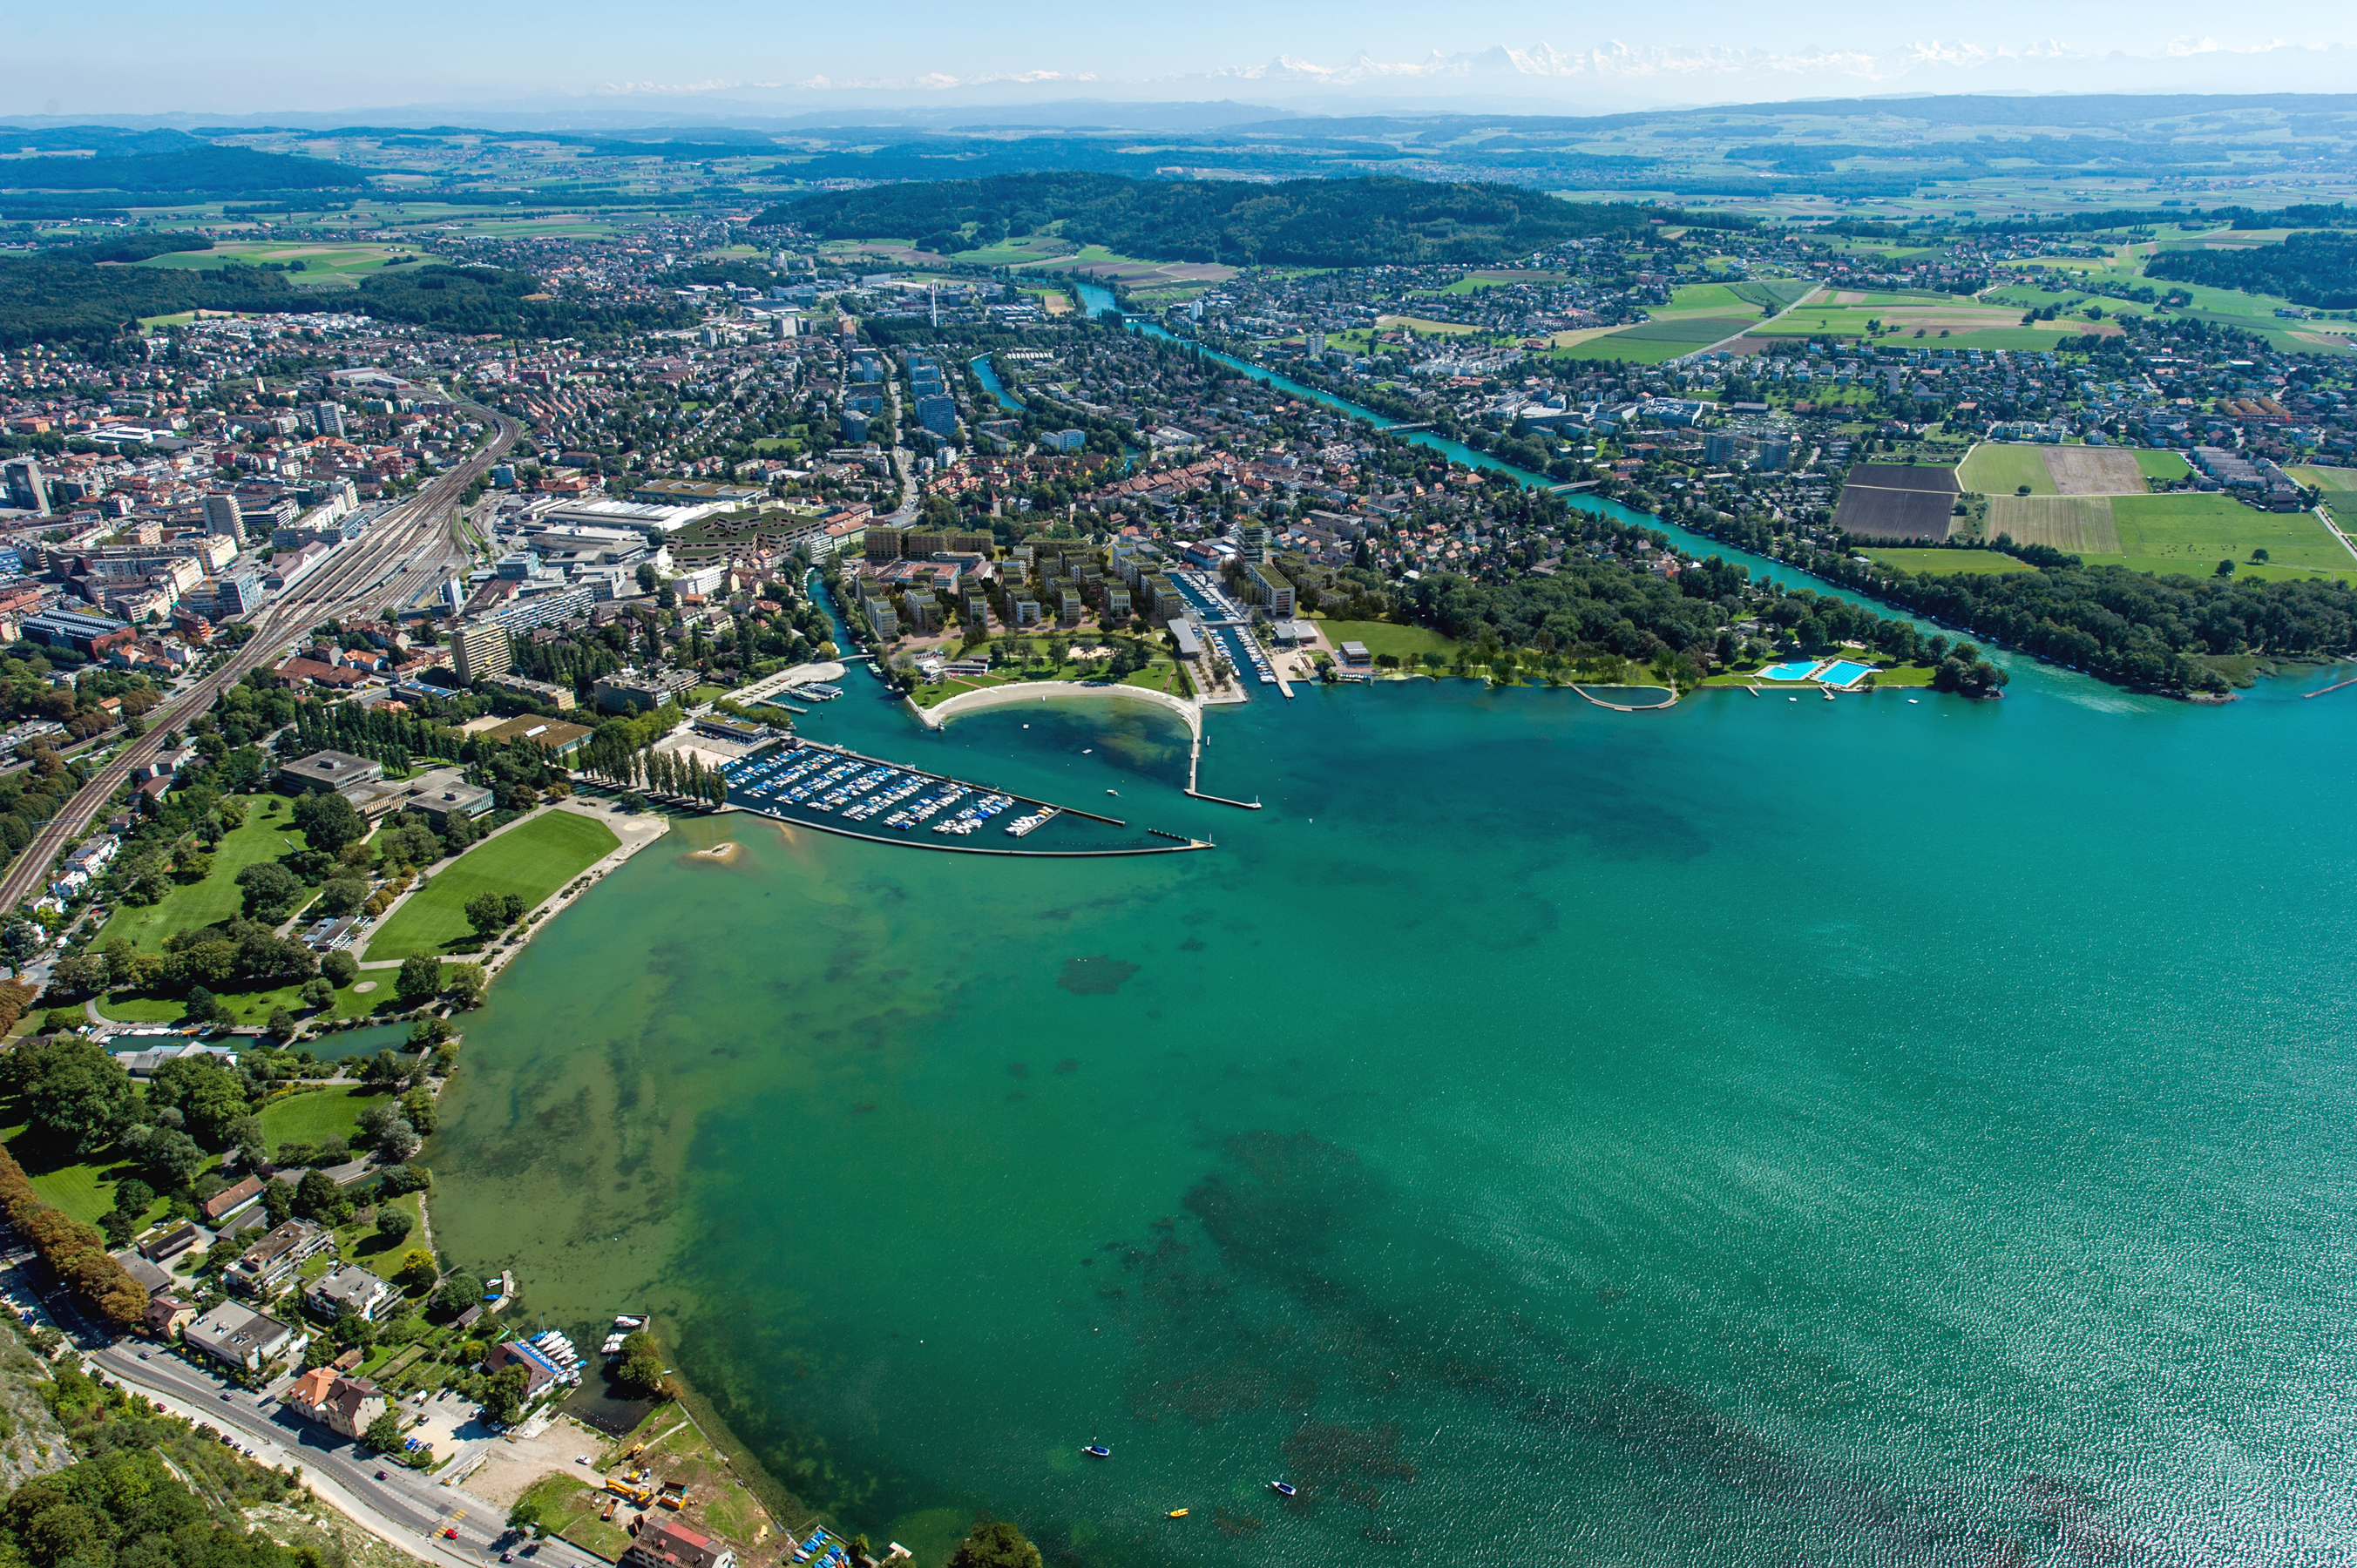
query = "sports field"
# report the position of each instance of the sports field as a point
(1975, 562)
(531, 862)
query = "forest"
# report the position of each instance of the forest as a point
(501, 299)
(1372, 221)
(218, 171)
(61, 296)
(2317, 270)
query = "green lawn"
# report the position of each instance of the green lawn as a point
(1950, 561)
(1382, 637)
(82, 1188)
(251, 1006)
(2165, 466)
(531, 861)
(267, 833)
(2001, 470)
(312, 1114)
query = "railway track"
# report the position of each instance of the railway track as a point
(406, 549)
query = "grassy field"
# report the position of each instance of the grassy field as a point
(1382, 637)
(252, 1006)
(1650, 342)
(268, 834)
(1996, 470)
(531, 861)
(1977, 562)
(315, 1114)
(2080, 524)
(2165, 466)
(2317, 477)
(324, 265)
(2191, 534)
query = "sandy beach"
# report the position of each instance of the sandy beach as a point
(1037, 690)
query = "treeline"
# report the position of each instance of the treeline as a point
(74, 1250)
(218, 171)
(2125, 627)
(504, 300)
(60, 298)
(2319, 270)
(1371, 222)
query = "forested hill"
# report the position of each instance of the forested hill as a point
(1304, 222)
(2318, 270)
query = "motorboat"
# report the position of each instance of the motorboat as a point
(1176, 1513)
(1097, 1450)
(1281, 1488)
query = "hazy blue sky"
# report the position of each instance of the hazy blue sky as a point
(141, 56)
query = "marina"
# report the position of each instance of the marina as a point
(834, 789)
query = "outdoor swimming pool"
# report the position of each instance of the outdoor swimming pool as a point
(1842, 671)
(1792, 669)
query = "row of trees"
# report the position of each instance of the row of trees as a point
(75, 1251)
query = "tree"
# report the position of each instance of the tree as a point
(384, 1434)
(488, 913)
(505, 1398)
(459, 1292)
(394, 1225)
(641, 1369)
(281, 1026)
(73, 1091)
(133, 1196)
(328, 822)
(420, 979)
(996, 1543)
(207, 1096)
(172, 1157)
(339, 969)
(277, 1203)
(317, 1195)
(467, 983)
(417, 1268)
(318, 993)
(271, 891)
(343, 894)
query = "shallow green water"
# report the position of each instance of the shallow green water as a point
(1768, 1131)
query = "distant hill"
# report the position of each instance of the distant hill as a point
(1371, 222)
(227, 171)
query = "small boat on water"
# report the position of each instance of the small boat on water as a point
(1176, 1513)
(1097, 1450)
(1281, 1488)
(1116, 794)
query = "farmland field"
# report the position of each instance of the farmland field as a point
(2000, 470)
(2078, 525)
(2093, 471)
(2191, 534)
(1773, 294)
(2318, 478)
(1977, 562)
(1650, 342)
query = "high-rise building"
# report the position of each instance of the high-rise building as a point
(329, 417)
(1317, 345)
(223, 518)
(479, 651)
(21, 480)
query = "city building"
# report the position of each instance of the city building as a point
(323, 770)
(670, 1543)
(480, 649)
(338, 1400)
(346, 1289)
(633, 691)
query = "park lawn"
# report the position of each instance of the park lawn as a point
(309, 1115)
(2001, 470)
(1162, 675)
(1417, 323)
(1382, 637)
(382, 1261)
(218, 896)
(1975, 562)
(83, 1188)
(531, 860)
(2165, 466)
(707, 694)
(2191, 534)
(251, 1006)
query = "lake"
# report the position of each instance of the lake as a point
(1871, 1131)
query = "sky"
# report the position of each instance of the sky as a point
(208, 56)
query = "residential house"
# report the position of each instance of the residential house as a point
(240, 1337)
(346, 1289)
(263, 1269)
(229, 1200)
(670, 1543)
(337, 1400)
(167, 1315)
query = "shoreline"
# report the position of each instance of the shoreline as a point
(1015, 691)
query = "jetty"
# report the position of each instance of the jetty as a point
(2334, 687)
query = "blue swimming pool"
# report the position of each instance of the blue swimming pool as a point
(1791, 670)
(1842, 671)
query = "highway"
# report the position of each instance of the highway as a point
(410, 546)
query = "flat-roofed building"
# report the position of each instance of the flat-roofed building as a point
(239, 1336)
(322, 771)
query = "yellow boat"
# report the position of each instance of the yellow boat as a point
(1176, 1513)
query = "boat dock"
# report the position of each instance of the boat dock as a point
(808, 782)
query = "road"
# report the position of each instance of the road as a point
(418, 537)
(406, 1508)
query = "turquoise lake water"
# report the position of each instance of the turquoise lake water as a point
(1874, 1132)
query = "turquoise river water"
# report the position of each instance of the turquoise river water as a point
(1765, 1132)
